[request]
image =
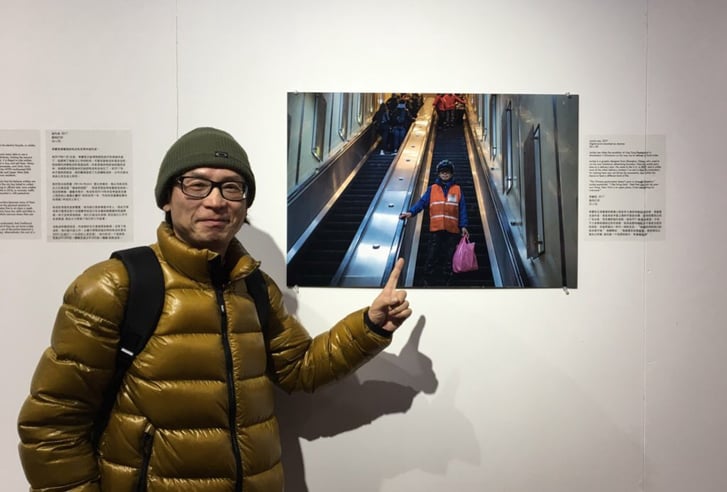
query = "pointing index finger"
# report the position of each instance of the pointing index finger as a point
(394, 275)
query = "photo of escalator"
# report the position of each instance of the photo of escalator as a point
(351, 189)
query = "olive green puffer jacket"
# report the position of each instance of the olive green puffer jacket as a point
(195, 411)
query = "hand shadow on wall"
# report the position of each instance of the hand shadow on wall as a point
(385, 385)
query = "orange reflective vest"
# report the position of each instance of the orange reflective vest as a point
(444, 211)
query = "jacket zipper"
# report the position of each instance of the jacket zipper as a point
(146, 444)
(231, 395)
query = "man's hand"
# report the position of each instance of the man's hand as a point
(390, 308)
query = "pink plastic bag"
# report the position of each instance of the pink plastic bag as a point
(464, 259)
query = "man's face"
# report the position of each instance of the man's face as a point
(209, 222)
(445, 174)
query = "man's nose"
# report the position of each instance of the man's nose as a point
(215, 197)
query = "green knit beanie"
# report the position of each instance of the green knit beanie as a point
(203, 147)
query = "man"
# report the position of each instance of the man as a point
(195, 411)
(447, 223)
(401, 120)
(450, 104)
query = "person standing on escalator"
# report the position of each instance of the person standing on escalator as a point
(450, 104)
(447, 223)
(382, 123)
(401, 119)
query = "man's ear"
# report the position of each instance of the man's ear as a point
(167, 200)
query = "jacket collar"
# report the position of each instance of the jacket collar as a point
(198, 264)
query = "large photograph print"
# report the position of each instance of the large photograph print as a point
(472, 190)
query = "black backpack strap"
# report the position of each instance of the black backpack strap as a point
(143, 308)
(146, 298)
(259, 291)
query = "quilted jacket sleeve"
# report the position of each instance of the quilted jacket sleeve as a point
(55, 421)
(299, 362)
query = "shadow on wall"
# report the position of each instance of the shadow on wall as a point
(385, 385)
(262, 247)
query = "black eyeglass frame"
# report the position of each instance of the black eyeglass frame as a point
(212, 185)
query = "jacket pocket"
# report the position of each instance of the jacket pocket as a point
(147, 442)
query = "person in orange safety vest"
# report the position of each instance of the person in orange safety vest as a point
(447, 223)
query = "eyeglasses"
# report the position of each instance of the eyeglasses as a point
(199, 188)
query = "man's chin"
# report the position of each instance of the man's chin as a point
(211, 239)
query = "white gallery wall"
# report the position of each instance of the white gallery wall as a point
(615, 386)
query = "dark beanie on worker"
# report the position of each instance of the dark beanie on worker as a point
(203, 147)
